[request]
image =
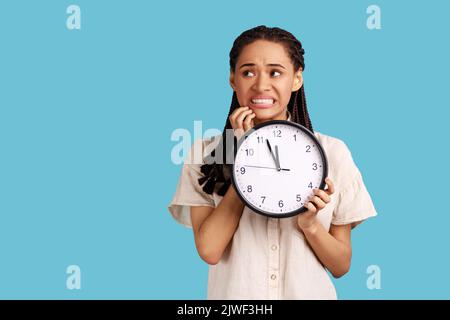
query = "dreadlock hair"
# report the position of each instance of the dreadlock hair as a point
(221, 172)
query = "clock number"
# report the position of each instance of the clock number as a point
(260, 139)
(310, 185)
(308, 148)
(299, 198)
(250, 152)
(280, 203)
(242, 170)
(314, 166)
(249, 188)
(295, 137)
(263, 198)
(277, 133)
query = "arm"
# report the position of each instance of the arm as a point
(332, 248)
(214, 227)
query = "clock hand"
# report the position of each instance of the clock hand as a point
(282, 169)
(273, 155)
(278, 157)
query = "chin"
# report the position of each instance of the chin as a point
(266, 114)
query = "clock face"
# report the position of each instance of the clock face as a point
(277, 166)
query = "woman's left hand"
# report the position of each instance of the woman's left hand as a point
(314, 205)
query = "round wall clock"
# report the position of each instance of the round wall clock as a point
(277, 165)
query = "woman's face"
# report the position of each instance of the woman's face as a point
(264, 78)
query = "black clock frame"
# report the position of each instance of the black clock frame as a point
(269, 123)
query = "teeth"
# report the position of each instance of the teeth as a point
(262, 101)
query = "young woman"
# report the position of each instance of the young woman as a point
(252, 256)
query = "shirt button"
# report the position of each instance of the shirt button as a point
(274, 247)
(273, 277)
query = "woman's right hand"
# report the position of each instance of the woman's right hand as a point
(242, 120)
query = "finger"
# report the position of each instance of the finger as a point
(317, 202)
(311, 208)
(236, 113)
(322, 195)
(330, 184)
(248, 123)
(241, 117)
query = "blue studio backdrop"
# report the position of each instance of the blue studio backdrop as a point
(87, 115)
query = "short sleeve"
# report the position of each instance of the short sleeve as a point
(354, 204)
(188, 192)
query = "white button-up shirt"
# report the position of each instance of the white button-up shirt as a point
(269, 258)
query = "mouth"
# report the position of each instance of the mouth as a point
(262, 103)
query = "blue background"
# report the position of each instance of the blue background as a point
(86, 118)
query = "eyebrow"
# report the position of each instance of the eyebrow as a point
(269, 64)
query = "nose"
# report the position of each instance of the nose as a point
(262, 83)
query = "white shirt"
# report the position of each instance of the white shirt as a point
(269, 258)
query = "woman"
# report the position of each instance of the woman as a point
(252, 256)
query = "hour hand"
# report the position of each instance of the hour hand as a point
(273, 155)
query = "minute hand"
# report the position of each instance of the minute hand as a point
(278, 156)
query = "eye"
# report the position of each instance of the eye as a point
(275, 72)
(247, 73)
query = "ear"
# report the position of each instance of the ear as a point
(232, 84)
(298, 80)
